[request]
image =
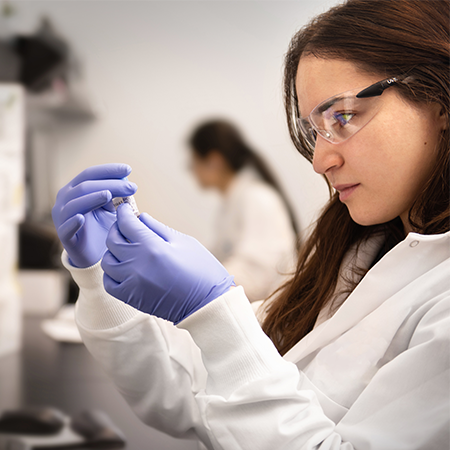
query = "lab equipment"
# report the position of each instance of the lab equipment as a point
(90, 429)
(32, 420)
(130, 200)
(83, 212)
(158, 270)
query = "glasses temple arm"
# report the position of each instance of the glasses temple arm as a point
(377, 88)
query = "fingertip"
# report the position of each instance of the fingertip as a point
(103, 198)
(121, 170)
(107, 195)
(68, 229)
(81, 219)
(146, 219)
(126, 169)
(144, 216)
(125, 217)
(76, 222)
(133, 187)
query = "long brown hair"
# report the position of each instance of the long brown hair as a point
(388, 38)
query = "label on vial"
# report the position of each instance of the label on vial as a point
(130, 200)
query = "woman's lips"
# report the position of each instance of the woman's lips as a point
(345, 190)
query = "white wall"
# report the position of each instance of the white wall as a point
(159, 67)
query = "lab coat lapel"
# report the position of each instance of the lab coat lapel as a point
(403, 264)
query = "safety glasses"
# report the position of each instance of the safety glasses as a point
(340, 117)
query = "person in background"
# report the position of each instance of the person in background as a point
(353, 351)
(256, 230)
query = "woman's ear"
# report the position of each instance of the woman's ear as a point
(443, 117)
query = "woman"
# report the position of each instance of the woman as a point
(362, 325)
(256, 231)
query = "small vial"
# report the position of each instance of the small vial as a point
(130, 200)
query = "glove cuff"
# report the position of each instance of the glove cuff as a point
(217, 290)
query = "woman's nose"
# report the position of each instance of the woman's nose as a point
(327, 156)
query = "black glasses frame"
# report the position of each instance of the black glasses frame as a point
(378, 88)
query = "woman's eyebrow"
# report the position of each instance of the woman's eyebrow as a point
(329, 103)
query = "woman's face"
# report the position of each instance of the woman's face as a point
(204, 170)
(380, 170)
(212, 170)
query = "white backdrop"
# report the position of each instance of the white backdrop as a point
(155, 69)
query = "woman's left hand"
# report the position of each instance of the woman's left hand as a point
(158, 270)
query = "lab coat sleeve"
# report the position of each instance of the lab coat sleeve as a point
(155, 366)
(264, 247)
(256, 399)
(252, 398)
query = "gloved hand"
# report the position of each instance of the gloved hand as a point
(158, 270)
(83, 212)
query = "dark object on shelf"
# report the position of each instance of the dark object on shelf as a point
(32, 420)
(39, 246)
(43, 56)
(9, 64)
(49, 429)
(39, 62)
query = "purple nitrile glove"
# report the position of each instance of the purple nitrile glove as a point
(83, 211)
(158, 270)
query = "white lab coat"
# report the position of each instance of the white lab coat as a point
(255, 240)
(373, 376)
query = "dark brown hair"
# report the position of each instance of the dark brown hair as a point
(388, 38)
(224, 137)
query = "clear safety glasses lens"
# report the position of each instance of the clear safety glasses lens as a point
(339, 117)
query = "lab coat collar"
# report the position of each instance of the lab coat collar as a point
(360, 256)
(407, 261)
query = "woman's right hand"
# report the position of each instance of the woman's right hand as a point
(83, 211)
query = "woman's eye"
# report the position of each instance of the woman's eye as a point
(343, 118)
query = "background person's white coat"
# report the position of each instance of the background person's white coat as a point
(255, 239)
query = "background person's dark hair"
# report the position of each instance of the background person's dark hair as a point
(225, 138)
(388, 38)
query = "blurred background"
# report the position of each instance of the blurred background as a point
(97, 81)
(91, 82)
